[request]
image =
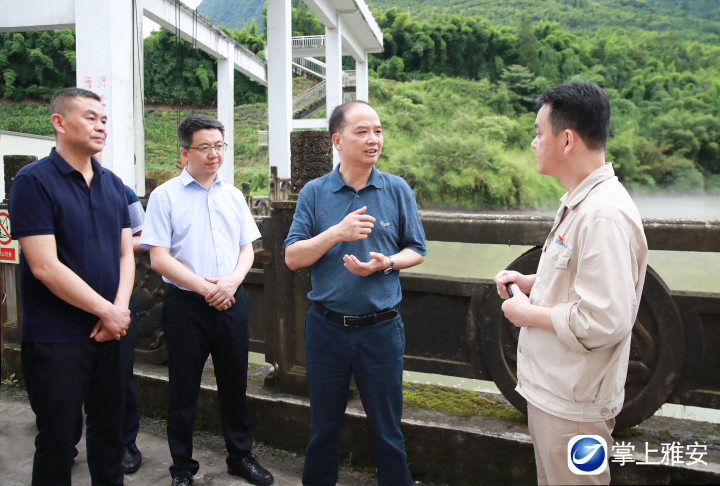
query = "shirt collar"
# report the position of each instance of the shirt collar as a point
(65, 168)
(337, 183)
(581, 191)
(186, 178)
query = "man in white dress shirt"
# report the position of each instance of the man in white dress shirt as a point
(199, 230)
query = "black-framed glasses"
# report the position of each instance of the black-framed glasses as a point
(205, 149)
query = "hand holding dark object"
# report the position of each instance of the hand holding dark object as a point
(508, 286)
(505, 278)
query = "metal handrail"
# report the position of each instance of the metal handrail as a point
(349, 78)
(263, 138)
(310, 97)
(311, 64)
(308, 41)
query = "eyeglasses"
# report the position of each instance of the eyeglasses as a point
(205, 149)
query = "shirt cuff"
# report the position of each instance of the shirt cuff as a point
(250, 238)
(560, 316)
(137, 229)
(32, 232)
(148, 242)
(290, 241)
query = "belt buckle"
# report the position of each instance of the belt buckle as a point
(345, 318)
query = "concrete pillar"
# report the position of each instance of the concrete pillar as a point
(362, 89)
(333, 60)
(226, 113)
(139, 101)
(104, 50)
(279, 57)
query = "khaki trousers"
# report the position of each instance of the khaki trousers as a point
(551, 435)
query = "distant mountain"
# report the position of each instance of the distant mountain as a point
(233, 13)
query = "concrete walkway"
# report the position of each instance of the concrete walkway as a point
(17, 433)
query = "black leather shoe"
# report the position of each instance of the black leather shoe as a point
(131, 459)
(249, 469)
(181, 480)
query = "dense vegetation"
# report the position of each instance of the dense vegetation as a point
(696, 19)
(456, 94)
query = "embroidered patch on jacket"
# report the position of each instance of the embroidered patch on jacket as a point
(383, 223)
(561, 241)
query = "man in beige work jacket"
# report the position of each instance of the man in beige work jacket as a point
(576, 325)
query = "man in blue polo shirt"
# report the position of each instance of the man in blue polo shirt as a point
(199, 230)
(77, 271)
(357, 226)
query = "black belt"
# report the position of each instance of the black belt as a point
(357, 321)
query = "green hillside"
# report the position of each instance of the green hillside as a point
(697, 19)
(456, 96)
(235, 14)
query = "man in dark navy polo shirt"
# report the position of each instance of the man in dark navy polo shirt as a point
(77, 270)
(357, 226)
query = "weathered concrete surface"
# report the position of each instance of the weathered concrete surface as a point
(661, 234)
(17, 432)
(442, 448)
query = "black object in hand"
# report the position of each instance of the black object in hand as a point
(508, 286)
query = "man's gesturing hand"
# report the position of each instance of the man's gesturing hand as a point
(378, 262)
(356, 226)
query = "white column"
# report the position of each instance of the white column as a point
(362, 90)
(279, 57)
(333, 60)
(226, 112)
(139, 101)
(104, 50)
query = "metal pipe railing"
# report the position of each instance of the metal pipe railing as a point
(308, 41)
(310, 97)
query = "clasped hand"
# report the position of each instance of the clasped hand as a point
(221, 294)
(112, 325)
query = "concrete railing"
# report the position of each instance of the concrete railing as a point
(668, 361)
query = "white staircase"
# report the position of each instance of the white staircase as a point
(305, 64)
(312, 68)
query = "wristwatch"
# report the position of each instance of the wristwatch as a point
(388, 269)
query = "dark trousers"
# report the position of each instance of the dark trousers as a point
(374, 356)
(60, 378)
(131, 420)
(193, 331)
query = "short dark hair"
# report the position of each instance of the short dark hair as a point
(337, 119)
(59, 100)
(581, 107)
(187, 128)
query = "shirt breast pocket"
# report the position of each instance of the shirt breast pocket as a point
(557, 279)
